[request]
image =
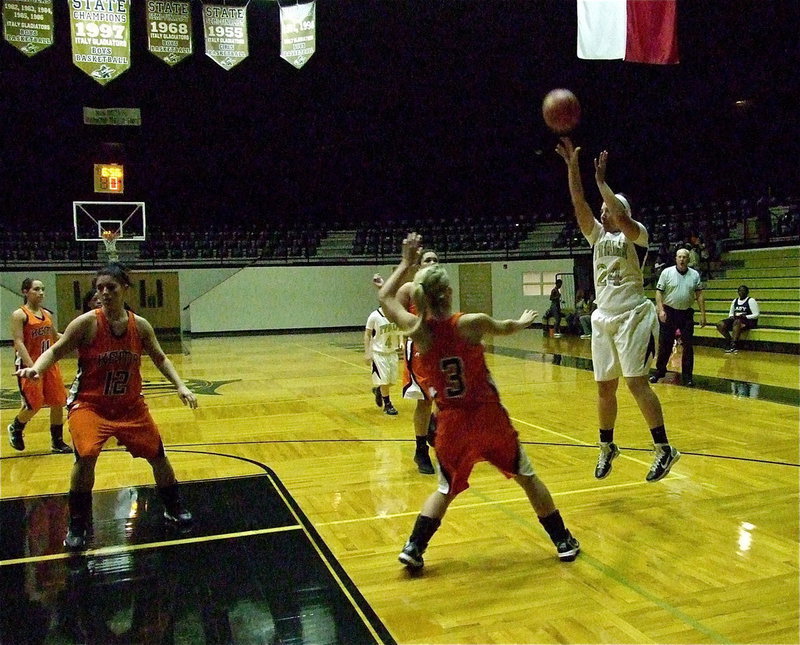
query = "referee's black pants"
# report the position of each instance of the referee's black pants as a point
(682, 319)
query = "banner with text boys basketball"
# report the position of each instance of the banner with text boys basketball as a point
(101, 42)
(28, 25)
(637, 31)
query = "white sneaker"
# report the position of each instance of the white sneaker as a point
(556, 335)
(665, 458)
(585, 336)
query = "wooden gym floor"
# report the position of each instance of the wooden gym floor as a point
(304, 492)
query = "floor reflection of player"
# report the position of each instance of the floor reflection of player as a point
(387, 497)
(24, 618)
(44, 525)
(133, 602)
(743, 379)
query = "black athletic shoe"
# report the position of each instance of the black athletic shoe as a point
(568, 549)
(655, 378)
(390, 410)
(58, 445)
(15, 438)
(75, 539)
(665, 459)
(424, 463)
(604, 459)
(178, 514)
(376, 391)
(411, 556)
(688, 382)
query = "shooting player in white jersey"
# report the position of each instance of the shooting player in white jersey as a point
(382, 341)
(624, 325)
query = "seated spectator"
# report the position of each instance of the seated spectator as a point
(573, 323)
(582, 318)
(694, 256)
(663, 259)
(743, 315)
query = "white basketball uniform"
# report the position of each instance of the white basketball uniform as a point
(386, 340)
(625, 324)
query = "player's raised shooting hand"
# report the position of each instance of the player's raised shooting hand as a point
(412, 248)
(567, 151)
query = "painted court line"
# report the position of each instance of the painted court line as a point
(584, 443)
(335, 358)
(456, 507)
(112, 550)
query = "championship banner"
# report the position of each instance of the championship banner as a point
(28, 25)
(169, 30)
(298, 33)
(101, 44)
(225, 30)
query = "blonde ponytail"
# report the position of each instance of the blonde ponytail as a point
(431, 293)
(420, 304)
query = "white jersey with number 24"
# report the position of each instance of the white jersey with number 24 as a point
(618, 263)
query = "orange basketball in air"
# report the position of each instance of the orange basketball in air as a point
(561, 111)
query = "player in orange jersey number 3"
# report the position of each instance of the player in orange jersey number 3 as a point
(472, 425)
(106, 398)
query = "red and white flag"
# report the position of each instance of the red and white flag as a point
(638, 31)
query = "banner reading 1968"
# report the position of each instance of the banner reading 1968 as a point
(101, 44)
(28, 25)
(225, 34)
(169, 30)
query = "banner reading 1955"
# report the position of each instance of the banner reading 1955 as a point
(225, 34)
(101, 44)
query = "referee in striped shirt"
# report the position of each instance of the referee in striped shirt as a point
(677, 289)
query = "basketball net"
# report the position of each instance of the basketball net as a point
(110, 242)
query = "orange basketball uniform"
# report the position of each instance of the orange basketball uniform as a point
(48, 390)
(106, 400)
(411, 387)
(472, 424)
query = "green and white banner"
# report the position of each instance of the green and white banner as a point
(101, 43)
(28, 25)
(298, 33)
(225, 30)
(169, 30)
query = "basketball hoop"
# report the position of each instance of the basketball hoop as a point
(110, 242)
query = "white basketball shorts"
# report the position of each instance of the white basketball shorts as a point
(624, 344)
(384, 368)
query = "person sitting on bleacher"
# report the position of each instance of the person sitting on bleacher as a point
(743, 315)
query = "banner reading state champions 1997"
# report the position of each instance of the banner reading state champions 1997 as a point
(101, 44)
(28, 24)
(169, 29)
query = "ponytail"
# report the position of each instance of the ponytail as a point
(27, 283)
(431, 292)
(420, 304)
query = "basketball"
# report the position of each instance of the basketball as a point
(561, 111)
